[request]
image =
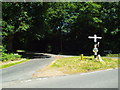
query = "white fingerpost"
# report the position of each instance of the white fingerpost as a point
(95, 49)
(95, 37)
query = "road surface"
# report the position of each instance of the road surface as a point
(20, 76)
(24, 70)
(98, 79)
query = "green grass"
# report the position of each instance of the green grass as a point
(20, 50)
(113, 55)
(11, 64)
(72, 65)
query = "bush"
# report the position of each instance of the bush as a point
(2, 49)
(7, 56)
(10, 56)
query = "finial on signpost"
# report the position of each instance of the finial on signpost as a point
(95, 49)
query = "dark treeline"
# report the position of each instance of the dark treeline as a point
(60, 27)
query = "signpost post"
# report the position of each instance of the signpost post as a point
(95, 49)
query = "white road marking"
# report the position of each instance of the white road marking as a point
(41, 78)
(96, 71)
(28, 80)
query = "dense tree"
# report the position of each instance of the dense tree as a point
(15, 19)
(18, 18)
(60, 27)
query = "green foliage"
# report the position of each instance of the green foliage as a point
(92, 14)
(10, 57)
(7, 28)
(29, 24)
(15, 18)
(2, 49)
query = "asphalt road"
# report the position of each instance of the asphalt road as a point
(98, 79)
(24, 70)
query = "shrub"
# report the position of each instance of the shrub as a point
(10, 56)
(7, 56)
(2, 49)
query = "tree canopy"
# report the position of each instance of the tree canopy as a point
(60, 27)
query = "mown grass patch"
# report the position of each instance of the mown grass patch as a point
(12, 63)
(72, 65)
(113, 55)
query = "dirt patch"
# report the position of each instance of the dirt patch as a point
(47, 71)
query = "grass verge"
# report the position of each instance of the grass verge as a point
(72, 65)
(113, 55)
(12, 63)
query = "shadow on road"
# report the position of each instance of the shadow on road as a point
(32, 55)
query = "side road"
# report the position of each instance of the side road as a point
(24, 70)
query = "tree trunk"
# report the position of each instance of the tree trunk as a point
(61, 40)
(10, 43)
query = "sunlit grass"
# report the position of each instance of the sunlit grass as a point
(11, 64)
(113, 55)
(76, 65)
